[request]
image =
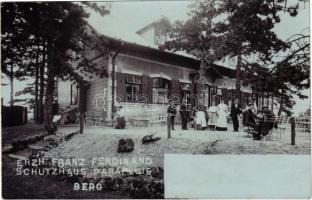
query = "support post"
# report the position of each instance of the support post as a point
(293, 131)
(169, 126)
(82, 105)
(81, 121)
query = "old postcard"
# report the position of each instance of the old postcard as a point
(155, 99)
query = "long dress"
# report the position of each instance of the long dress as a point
(213, 118)
(200, 119)
(222, 110)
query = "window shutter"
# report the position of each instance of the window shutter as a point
(147, 88)
(121, 86)
(225, 95)
(193, 92)
(175, 90)
(244, 99)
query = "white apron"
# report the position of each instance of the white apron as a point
(200, 118)
(222, 116)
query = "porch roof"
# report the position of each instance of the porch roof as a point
(152, 53)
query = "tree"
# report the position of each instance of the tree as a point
(237, 28)
(56, 28)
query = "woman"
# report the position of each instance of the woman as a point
(222, 110)
(200, 120)
(121, 121)
(192, 116)
(213, 118)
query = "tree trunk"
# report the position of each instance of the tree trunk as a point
(262, 98)
(200, 85)
(272, 104)
(41, 92)
(82, 105)
(11, 86)
(48, 115)
(281, 103)
(36, 107)
(238, 79)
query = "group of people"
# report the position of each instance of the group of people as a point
(261, 121)
(203, 117)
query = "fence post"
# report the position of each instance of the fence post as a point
(293, 131)
(169, 126)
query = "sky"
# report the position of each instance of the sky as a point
(126, 17)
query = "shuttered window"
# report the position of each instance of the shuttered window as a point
(160, 90)
(225, 95)
(133, 87)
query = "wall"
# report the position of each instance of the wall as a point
(96, 94)
(148, 34)
(147, 69)
(96, 103)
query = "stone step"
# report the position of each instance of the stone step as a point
(17, 157)
(36, 147)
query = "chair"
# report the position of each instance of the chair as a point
(282, 126)
(271, 131)
(97, 120)
(88, 118)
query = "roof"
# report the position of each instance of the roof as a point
(152, 54)
(112, 27)
(134, 44)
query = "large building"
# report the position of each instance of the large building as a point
(143, 78)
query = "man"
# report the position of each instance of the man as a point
(266, 123)
(235, 111)
(121, 121)
(184, 116)
(172, 111)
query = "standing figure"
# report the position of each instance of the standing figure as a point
(206, 115)
(235, 111)
(222, 110)
(172, 110)
(213, 118)
(121, 121)
(192, 116)
(200, 120)
(184, 116)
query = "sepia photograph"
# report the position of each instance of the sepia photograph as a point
(94, 95)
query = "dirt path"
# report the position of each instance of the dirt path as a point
(218, 142)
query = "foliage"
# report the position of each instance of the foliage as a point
(217, 29)
(33, 30)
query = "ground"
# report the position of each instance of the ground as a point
(97, 141)
(103, 142)
(229, 142)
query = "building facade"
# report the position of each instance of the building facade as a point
(143, 79)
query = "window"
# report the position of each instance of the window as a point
(160, 90)
(133, 87)
(231, 95)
